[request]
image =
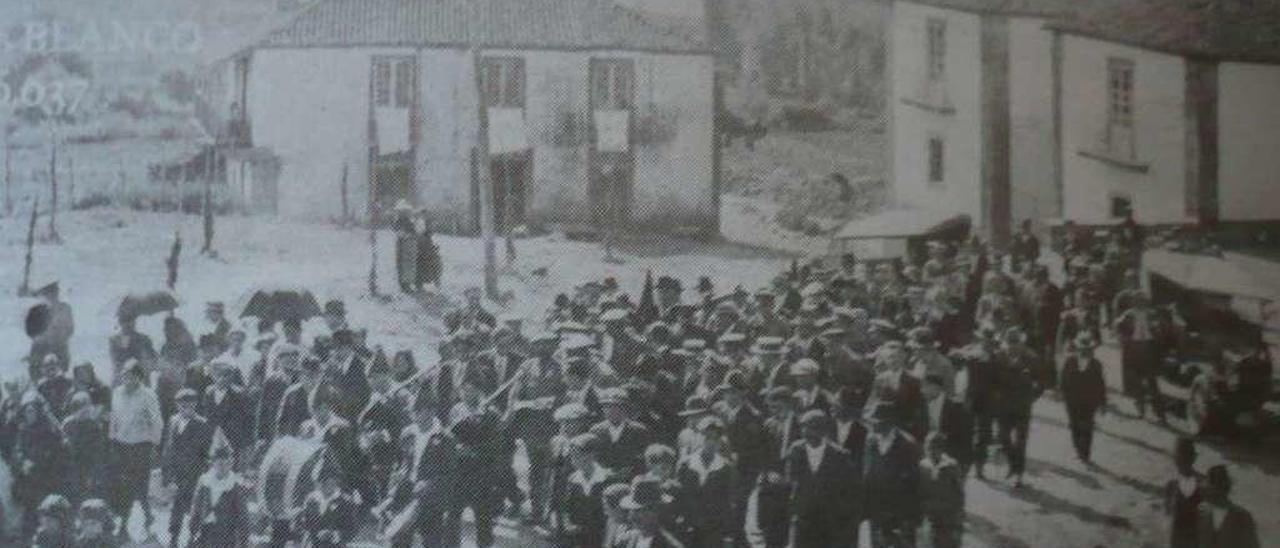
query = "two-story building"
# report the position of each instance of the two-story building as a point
(590, 108)
(971, 106)
(1170, 110)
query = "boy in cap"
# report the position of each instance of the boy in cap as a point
(183, 458)
(229, 409)
(219, 511)
(328, 516)
(942, 492)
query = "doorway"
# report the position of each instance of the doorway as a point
(511, 174)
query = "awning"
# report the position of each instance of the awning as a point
(902, 223)
(1230, 275)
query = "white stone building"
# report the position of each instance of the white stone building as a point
(590, 107)
(971, 102)
(1171, 111)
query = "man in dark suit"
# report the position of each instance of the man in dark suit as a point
(850, 434)
(891, 472)
(1142, 343)
(744, 430)
(429, 478)
(898, 387)
(979, 361)
(229, 409)
(184, 457)
(821, 477)
(295, 404)
(1084, 391)
(1223, 523)
(949, 417)
(1043, 310)
(708, 490)
(623, 440)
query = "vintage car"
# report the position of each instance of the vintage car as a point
(1222, 373)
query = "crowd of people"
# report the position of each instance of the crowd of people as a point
(786, 416)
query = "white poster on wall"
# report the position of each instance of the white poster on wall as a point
(506, 131)
(613, 130)
(392, 124)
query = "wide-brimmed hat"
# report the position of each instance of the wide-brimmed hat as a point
(804, 366)
(612, 396)
(694, 406)
(570, 412)
(95, 510)
(768, 345)
(645, 493)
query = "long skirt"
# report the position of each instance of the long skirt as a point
(407, 261)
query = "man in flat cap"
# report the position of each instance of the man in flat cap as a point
(184, 457)
(709, 484)
(623, 440)
(822, 477)
(891, 475)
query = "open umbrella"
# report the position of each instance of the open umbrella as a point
(134, 305)
(280, 304)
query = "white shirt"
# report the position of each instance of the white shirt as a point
(935, 411)
(615, 431)
(420, 442)
(884, 443)
(586, 484)
(219, 394)
(842, 430)
(1188, 485)
(135, 416)
(643, 542)
(704, 469)
(814, 455)
(1219, 514)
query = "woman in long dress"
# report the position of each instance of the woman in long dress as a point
(406, 247)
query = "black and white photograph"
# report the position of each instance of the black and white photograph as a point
(639, 273)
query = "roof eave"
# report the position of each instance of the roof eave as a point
(492, 45)
(1188, 53)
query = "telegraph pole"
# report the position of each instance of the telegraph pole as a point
(485, 181)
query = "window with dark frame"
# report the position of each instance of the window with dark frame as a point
(502, 79)
(936, 159)
(1121, 206)
(404, 83)
(612, 84)
(1120, 114)
(936, 47)
(382, 83)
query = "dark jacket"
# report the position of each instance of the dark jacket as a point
(956, 423)
(234, 414)
(1083, 390)
(295, 409)
(185, 453)
(820, 505)
(625, 455)
(1238, 529)
(708, 506)
(893, 477)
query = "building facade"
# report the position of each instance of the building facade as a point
(971, 100)
(590, 108)
(1179, 126)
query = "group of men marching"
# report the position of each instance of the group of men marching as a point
(786, 416)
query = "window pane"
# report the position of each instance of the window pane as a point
(382, 83)
(600, 87)
(514, 80)
(404, 83)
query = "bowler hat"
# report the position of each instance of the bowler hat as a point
(570, 412)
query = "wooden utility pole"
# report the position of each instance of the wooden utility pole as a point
(485, 180)
(71, 183)
(346, 206)
(25, 288)
(208, 203)
(53, 187)
(8, 175)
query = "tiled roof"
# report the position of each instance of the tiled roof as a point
(1224, 30)
(1048, 8)
(551, 24)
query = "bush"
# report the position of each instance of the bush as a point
(805, 118)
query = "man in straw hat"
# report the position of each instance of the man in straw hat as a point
(1084, 391)
(709, 489)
